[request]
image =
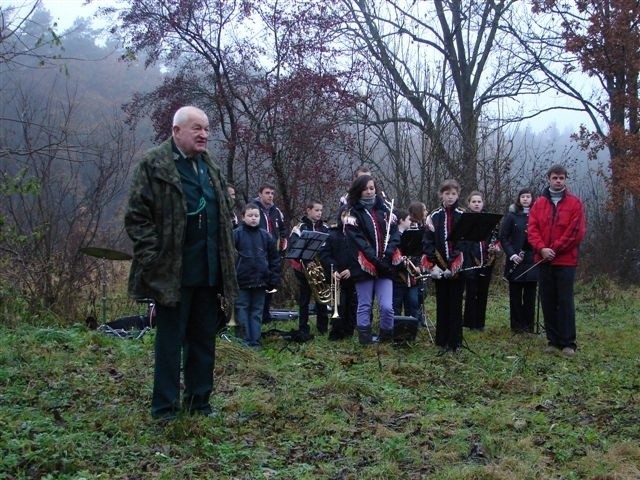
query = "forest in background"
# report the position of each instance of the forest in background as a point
(299, 102)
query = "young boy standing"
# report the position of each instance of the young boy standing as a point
(257, 270)
(311, 221)
(444, 259)
(405, 287)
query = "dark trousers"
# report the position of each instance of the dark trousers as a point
(475, 303)
(449, 313)
(345, 324)
(558, 309)
(304, 299)
(522, 306)
(185, 333)
(266, 310)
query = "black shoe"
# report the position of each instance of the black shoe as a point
(335, 335)
(385, 336)
(205, 411)
(164, 416)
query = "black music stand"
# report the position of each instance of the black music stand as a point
(411, 242)
(306, 245)
(474, 226)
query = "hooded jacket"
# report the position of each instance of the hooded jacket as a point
(156, 219)
(559, 227)
(257, 261)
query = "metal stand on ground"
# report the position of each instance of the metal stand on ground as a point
(104, 254)
(539, 328)
(424, 319)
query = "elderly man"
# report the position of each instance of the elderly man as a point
(178, 219)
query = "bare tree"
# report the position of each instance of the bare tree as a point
(24, 40)
(469, 62)
(62, 196)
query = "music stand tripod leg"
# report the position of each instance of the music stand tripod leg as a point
(424, 315)
(103, 281)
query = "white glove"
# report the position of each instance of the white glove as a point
(516, 259)
(436, 272)
(447, 273)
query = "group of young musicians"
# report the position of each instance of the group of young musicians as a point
(363, 253)
(186, 255)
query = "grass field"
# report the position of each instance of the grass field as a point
(74, 404)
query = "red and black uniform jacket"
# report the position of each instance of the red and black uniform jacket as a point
(559, 227)
(437, 249)
(365, 231)
(477, 258)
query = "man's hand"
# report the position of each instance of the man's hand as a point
(547, 253)
(517, 259)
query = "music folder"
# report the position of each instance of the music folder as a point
(411, 242)
(474, 226)
(306, 245)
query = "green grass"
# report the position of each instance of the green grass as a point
(75, 404)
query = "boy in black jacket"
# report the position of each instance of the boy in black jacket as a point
(335, 253)
(257, 270)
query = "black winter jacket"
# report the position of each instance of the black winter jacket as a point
(335, 251)
(513, 238)
(257, 259)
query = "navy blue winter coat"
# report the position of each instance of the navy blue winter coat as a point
(257, 258)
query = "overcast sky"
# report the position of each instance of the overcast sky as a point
(66, 11)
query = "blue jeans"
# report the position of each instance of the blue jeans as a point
(383, 289)
(249, 308)
(406, 296)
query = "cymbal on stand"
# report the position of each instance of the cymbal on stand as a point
(105, 253)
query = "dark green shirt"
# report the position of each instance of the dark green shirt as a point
(200, 261)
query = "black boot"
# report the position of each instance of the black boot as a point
(385, 335)
(364, 335)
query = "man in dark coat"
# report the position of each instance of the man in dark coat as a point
(178, 219)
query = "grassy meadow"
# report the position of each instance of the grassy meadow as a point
(74, 404)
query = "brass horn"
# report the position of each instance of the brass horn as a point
(314, 274)
(335, 287)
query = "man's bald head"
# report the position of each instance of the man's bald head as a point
(190, 130)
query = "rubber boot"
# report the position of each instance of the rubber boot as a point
(364, 335)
